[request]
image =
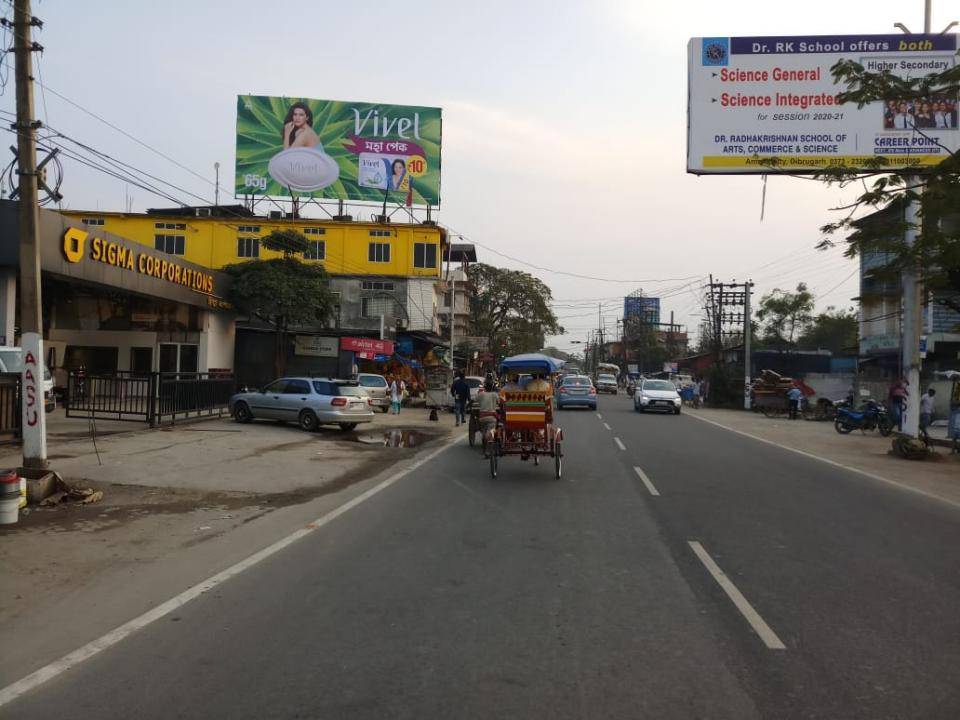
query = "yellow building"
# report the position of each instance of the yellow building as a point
(344, 248)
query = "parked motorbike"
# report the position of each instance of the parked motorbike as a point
(872, 416)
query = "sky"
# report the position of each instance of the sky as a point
(564, 125)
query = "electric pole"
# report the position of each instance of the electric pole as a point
(747, 374)
(31, 322)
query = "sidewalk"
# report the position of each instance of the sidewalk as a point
(179, 504)
(868, 453)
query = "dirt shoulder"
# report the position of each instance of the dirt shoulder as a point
(869, 453)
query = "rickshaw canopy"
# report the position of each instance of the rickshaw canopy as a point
(531, 363)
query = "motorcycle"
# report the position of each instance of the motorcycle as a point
(873, 416)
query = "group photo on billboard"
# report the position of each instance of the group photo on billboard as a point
(338, 150)
(769, 104)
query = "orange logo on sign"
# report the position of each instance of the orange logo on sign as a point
(73, 242)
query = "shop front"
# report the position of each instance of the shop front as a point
(111, 305)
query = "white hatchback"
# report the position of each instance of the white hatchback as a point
(656, 395)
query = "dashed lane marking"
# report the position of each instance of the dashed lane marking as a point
(766, 634)
(619, 443)
(646, 481)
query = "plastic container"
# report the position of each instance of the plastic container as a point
(9, 497)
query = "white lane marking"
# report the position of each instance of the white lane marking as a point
(599, 416)
(768, 636)
(619, 443)
(646, 481)
(55, 668)
(851, 468)
(607, 426)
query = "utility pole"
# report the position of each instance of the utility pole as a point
(747, 375)
(34, 425)
(912, 300)
(453, 304)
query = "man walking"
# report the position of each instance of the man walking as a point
(461, 396)
(794, 395)
(926, 410)
(898, 399)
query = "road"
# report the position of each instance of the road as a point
(451, 595)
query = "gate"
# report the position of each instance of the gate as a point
(10, 418)
(155, 398)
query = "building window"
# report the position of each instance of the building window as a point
(314, 231)
(385, 285)
(374, 307)
(170, 244)
(379, 252)
(424, 255)
(170, 226)
(248, 247)
(92, 221)
(316, 250)
(380, 233)
(248, 229)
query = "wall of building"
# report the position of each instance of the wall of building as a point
(218, 342)
(213, 242)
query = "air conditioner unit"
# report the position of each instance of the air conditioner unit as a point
(203, 212)
(276, 215)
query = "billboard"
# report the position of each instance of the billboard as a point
(643, 307)
(756, 98)
(338, 150)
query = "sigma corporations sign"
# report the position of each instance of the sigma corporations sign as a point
(335, 149)
(769, 104)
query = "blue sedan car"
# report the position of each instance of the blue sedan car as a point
(576, 390)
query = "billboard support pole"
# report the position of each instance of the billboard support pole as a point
(747, 375)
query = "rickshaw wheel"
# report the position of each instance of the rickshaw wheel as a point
(536, 459)
(558, 460)
(494, 458)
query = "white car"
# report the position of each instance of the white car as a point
(377, 388)
(476, 385)
(309, 402)
(11, 361)
(656, 395)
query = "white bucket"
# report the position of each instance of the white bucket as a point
(9, 508)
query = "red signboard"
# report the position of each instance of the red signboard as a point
(367, 345)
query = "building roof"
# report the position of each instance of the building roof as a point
(462, 252)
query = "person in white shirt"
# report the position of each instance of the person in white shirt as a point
(941, 117)
(903, 120)
(926, 410)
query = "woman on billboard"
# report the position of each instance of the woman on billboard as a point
(302, 165)
(298, 127)
(397, 175)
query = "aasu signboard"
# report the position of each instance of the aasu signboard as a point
(753, 99)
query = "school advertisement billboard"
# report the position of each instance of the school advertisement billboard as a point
(338, 150)
(769, 104)
(642, 306)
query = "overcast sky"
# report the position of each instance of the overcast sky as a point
(563, 123)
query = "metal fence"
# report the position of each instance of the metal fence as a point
(10, 417)
(154, 398)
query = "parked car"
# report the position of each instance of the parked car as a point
(576, 390)
(607, 383)
(310, 402)
(351, 390)
(11, 361)
(378, 388)
(656, 395)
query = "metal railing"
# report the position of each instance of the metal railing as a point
(155, 398)
(10, 417)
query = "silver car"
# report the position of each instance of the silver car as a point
(656, 395)
(377, 388)
(309, 402)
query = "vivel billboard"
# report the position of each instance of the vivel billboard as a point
(753, 99)
(338, 150)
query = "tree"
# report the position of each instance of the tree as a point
(936, 250)
(288, 242)
(511, 309)
(559, 354)
(834, 330)
(282, 292)
(785, 315)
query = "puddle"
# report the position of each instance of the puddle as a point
(396, 439)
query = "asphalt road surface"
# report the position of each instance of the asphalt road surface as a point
(725, 579)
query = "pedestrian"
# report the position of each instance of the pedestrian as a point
(696, 393)
(704, 391)
(898, 399)
(395, 396)
(793, 396)
(461, 396)
(926, 410)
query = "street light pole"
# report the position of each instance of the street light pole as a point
(34, 426)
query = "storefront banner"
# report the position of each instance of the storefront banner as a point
(316, 346)
(367, 345)
(769, 104)
(337, 149)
